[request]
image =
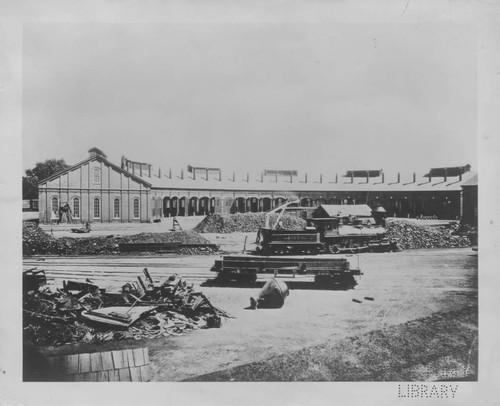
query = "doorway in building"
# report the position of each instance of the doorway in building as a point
(193, 206)
(203, 206)
(265, 204)
(182, 206)
(253, 204)
(239, 205)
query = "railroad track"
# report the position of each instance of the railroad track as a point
(117, 278)
(117, 265)
(116, 271)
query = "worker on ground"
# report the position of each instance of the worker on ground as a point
(53, 217)
(272, 296)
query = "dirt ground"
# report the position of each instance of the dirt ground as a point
(105, 229)
(441, 347)
(405, 286)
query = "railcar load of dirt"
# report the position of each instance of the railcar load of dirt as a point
(245, 222)
(38, 242)
(410, 235)
(183, 237)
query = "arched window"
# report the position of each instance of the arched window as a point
(55, 204)
(97, 175)
(97, 208)
(116, 208)
(76, 208)
(136, 208)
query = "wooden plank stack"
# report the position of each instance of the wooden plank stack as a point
(130, 365)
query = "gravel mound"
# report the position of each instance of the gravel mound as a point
(38, 242)
(245, 222)
(413, 236)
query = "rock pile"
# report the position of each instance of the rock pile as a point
(245, 222)
(413, 236)
(38, 242)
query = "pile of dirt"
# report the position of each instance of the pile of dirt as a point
(443, 346)
(38, 242)
(245, 222)
(413, 236)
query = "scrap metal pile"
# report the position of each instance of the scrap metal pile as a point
(38, 242)
(414, 236)
(245, 222)
(84, 312)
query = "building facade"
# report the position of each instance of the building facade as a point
(470, 202)
(97, 190)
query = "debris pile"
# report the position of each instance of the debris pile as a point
(84, 312)
(413, 236)
(245, 222)
(38, 242)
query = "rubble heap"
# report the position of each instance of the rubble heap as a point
(38, 242)
(79, 312)
(413, 236)
(245, 222)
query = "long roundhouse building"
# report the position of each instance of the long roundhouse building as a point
(98, 190)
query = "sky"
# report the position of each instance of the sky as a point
(311, 97)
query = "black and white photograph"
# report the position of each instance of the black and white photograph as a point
(224, 198)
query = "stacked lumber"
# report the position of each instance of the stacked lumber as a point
(130, 365)
(245, 222)
(413, 236)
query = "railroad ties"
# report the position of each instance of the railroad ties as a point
(116, 271)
